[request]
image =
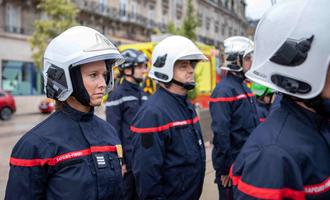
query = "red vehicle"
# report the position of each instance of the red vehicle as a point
(47, 106)
(7, 105)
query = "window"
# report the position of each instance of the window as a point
(102, 6)
(200, 19)
(230, 31)
(165, 6)
(223, 29)
(179, 8)
(207, 23)
(13, 19)
(226, 3)
(20, 78)
(216, 27)
(122, 8)
(151, 12)
(133, 9)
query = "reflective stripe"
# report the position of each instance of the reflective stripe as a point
(318, 188)
(230, 99)
(265, 193)
(164, 127)
(315, 189)
(144, 98)
(60, 158)
(120, 101)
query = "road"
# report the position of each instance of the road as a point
(11, 131)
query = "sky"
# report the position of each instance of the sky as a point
(256, 8)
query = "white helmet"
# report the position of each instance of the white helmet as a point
(72, 48)
(167, 52)
(235, 48)
(249, 52)
(292, 52)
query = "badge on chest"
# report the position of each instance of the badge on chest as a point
(100, 160)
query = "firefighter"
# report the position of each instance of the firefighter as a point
(288, 156)
(73, 154)
(122, 105)
(233, 112)
(168, 148)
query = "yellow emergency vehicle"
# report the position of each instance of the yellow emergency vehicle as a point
(205, 72)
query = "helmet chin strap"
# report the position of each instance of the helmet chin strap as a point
(239, 74)
(137, 80)
(79, 90)
(187, 85)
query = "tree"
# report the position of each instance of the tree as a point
(172, 29)
(60, 15)
(190, 23)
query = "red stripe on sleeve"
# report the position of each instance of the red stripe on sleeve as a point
(103, 149)
(265, 193)
(60, 158)
(231, 99)
(318, 188)
(164, 127)
(27, 162)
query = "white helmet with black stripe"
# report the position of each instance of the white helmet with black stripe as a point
(170, 50)
(292, 48)
(72, 48)
(235, 48)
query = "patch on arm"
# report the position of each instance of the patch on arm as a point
(147, 140)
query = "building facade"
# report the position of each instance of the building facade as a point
(123, 21)
(220, 19)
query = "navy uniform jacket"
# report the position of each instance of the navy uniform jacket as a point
(169, 154)
(234, 116)
(121, 107)
(286, 157)
(277, 102)
(262, 110)
(70, 155)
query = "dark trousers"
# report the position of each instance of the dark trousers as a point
(129, 189)
(225, 193)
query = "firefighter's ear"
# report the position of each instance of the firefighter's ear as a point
(147, 140)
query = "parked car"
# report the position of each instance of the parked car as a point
(47, 106)
(7, 105)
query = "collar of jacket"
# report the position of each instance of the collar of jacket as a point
(233, 76)
(306, 116)
(130, 85)
(182, 99)
(77, 115)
